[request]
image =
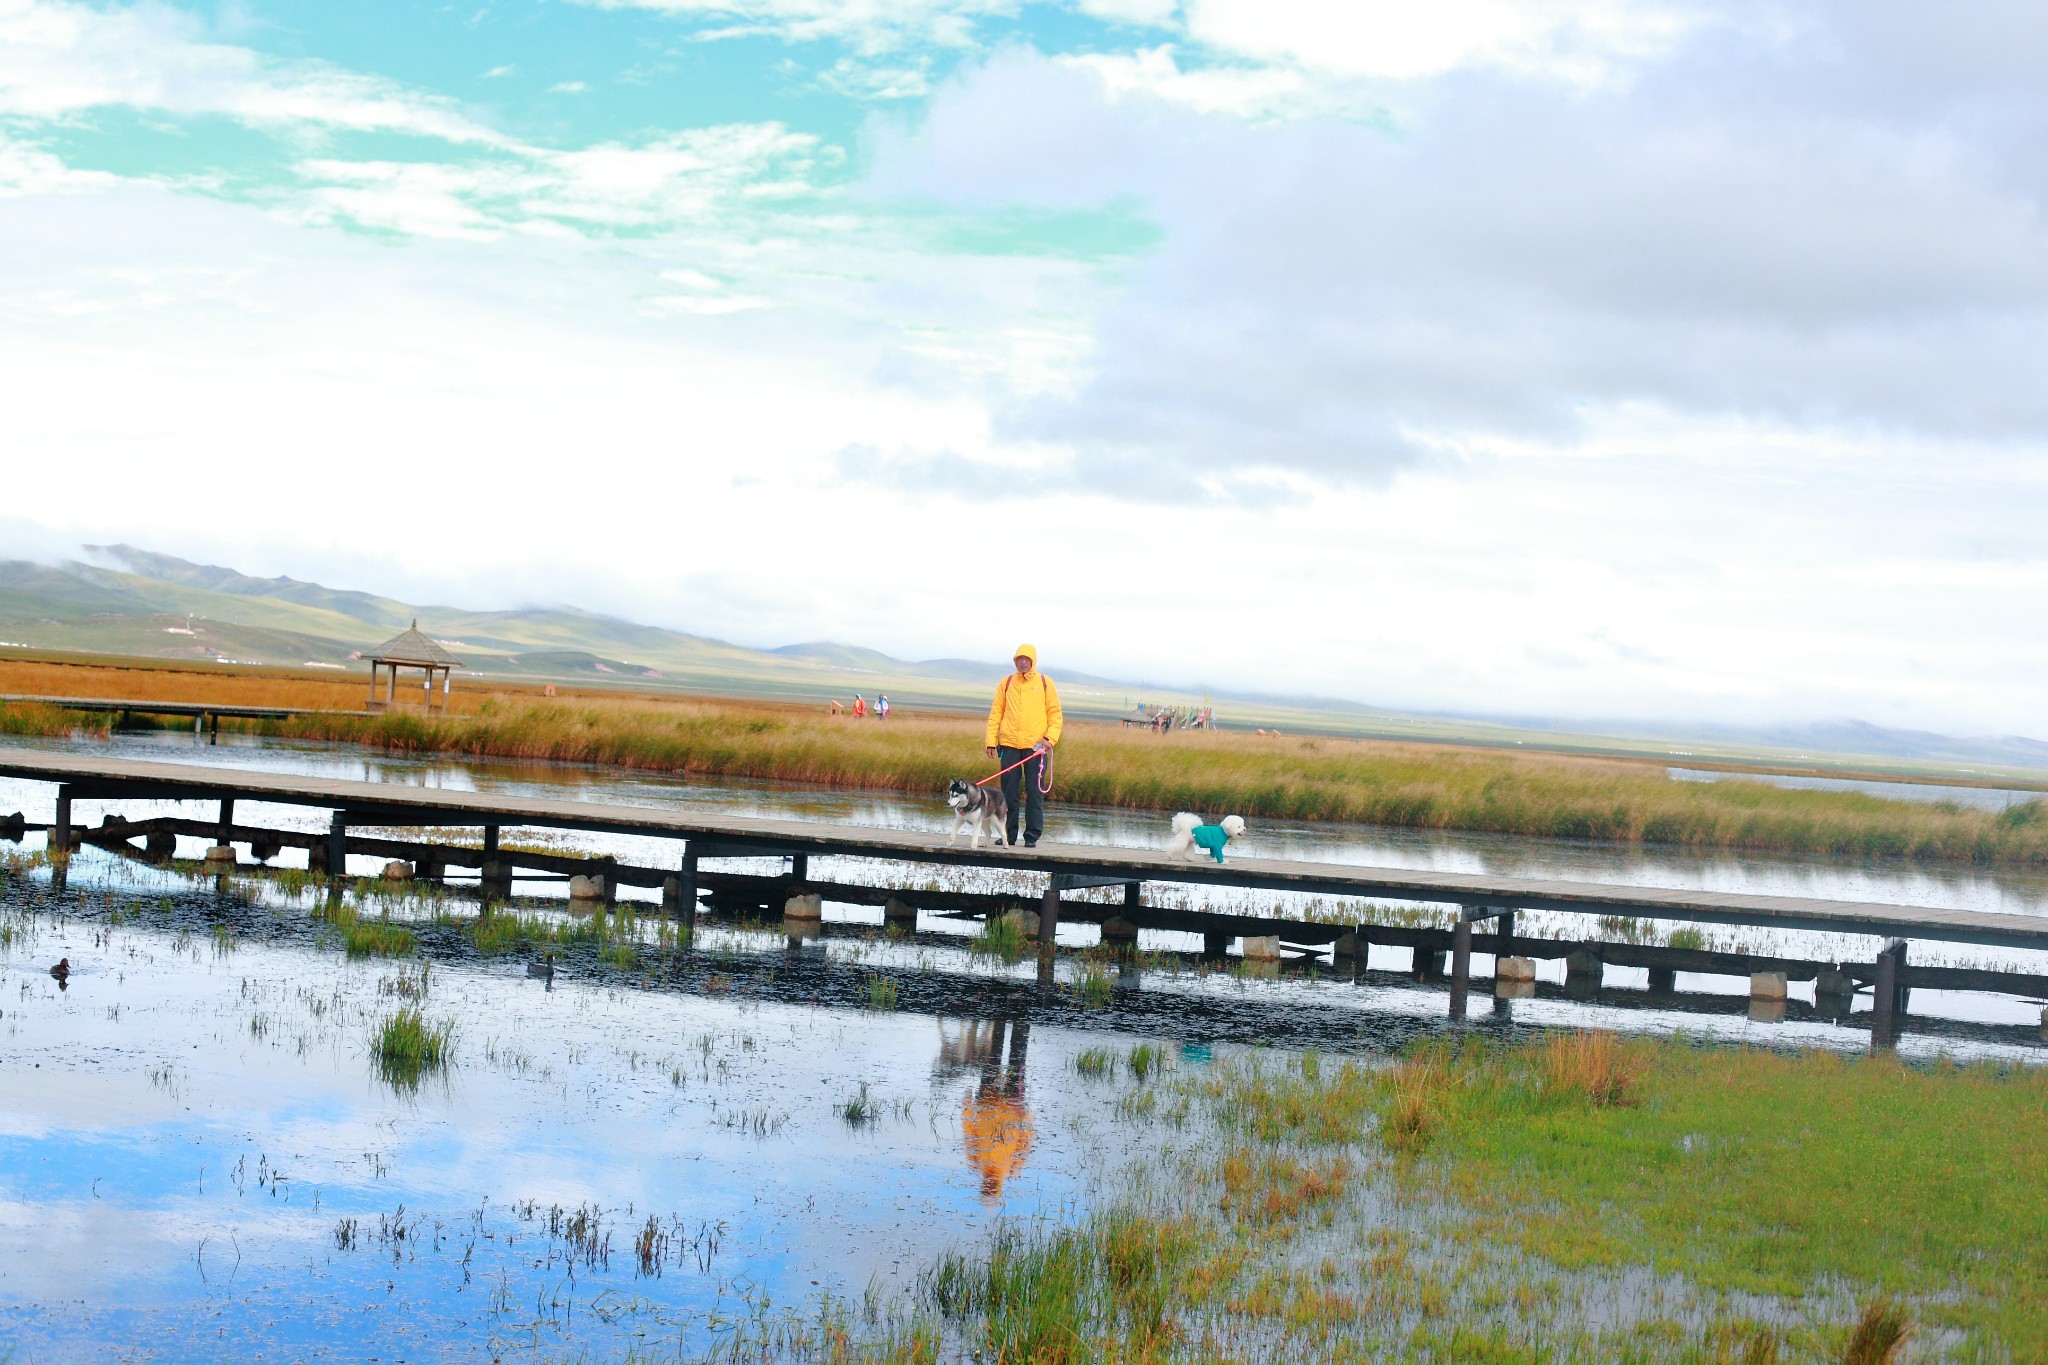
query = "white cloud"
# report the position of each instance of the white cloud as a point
(1247, 92)
(26, 169)
(59, 58)
(1576, 40)
(693, 178)
(868, 26)
(568, 88)
(1145, 13)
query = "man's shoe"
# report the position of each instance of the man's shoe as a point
(1031, 843)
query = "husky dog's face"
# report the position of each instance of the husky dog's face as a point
(959, 795)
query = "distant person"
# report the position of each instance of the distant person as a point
(882, 707)
(1024, 723)
(860, 706)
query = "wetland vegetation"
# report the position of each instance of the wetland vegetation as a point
(1415, 786)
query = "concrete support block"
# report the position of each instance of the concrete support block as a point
(1349, 945)
(220, 855)
(671, 893)
(1833, 982)
(804, 907)
(1514, 969)
(1261, 947)
(898, 914)
(1029, 919)
(1767, 985)
(397, 870)
(582, 888)
(161, 844)
(1119, 932)
(1430, 964)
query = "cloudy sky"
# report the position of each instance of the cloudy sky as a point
(1568, 357)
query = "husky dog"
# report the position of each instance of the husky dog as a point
(981, 809)
(1192, 838)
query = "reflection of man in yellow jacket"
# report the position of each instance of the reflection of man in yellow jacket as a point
(1024, 720)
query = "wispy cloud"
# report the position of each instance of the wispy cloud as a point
(59, 58)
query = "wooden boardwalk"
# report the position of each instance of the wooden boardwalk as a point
(1480, 896)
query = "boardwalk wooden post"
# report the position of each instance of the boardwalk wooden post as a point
(337, 848)
(1215, 946)
(1461, 966)
(60, 832)
(493, 882)
(688, 909)
(1885, 1002)
(1048, 925)
(227, 820)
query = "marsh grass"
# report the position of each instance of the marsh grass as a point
(1597, 1066)
(377, 938)
(406, 1047)
(1001, 937)
(1408, 785)
(1095, 987)
(1096, 1063)
(1371, 781)
(859, 1109)
(881, 993)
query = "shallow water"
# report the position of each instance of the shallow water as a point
(1979, 798)
(198, 1159)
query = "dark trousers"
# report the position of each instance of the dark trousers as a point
(1023, 781)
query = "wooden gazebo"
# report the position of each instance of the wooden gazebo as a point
(412, 650)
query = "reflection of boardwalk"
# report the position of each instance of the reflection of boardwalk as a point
(995, 1123)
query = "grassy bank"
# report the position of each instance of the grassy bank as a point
(1570, 1199)
(1408, 786)
(1412, 786)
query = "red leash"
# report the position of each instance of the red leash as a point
(1044, 773)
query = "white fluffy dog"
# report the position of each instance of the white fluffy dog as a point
(1192, 838)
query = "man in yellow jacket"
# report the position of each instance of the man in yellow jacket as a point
(1025, 720)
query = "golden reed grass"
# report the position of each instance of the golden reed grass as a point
(1407, 785)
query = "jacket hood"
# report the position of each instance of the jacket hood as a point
(1028, 651)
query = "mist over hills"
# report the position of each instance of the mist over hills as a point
(138, 602)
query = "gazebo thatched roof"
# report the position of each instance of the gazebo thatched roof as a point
(413, 649)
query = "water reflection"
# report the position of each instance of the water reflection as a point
(995, 1122)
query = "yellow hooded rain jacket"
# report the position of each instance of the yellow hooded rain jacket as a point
(1026, 710)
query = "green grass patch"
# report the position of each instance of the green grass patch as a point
(1001, 937)
(405, 1047)
(1758, 1172)
(376, 938)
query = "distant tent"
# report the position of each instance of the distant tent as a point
(410, 649)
